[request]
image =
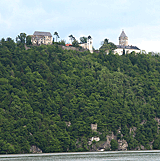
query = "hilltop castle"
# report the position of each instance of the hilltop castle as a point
(88, 45)
(39, 38)
(123, 47)
(123, 39)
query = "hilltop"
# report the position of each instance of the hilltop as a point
(49, 97)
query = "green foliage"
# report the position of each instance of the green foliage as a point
(156, 144)
(28, 40)
(21, 38)
(72, 38)
(57, 35)
(62, 42)
(114, 145)
(45, 88)
(83, 39)
(75, 43)
(107, 46)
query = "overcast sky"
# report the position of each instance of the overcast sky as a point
(101, 19)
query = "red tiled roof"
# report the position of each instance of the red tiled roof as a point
(68, 44)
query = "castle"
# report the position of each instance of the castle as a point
(39, 38)
(123, 47)
(88, 45)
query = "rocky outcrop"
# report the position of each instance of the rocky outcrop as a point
(122, 145)
(143, 122)
(133, 131)
(35, 149)
(109, 138)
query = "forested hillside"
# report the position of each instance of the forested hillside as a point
(43, 88)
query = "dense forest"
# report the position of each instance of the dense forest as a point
(45, 87)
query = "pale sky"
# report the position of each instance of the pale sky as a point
(101, 19)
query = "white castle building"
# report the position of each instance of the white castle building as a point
(88, 45)
(123, 46)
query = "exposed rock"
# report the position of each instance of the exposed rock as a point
(132, 131)
(142, 147)
(110, 137)
(137, 148)
(119, 130)
(143, 122)
(158, 120)
(151, 144)
(107, 145)
(89, 142)
(122, 145)
(35, 149)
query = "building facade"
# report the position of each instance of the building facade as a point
(126, 49)
(88, 45)
(123, 47)
(39, 38)
(123, 39)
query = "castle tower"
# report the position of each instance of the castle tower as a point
(89, 44)
(123, 39)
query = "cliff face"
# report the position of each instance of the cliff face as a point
(122, 144)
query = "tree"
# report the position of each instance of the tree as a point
(123, 52)
(89, 37)
(72, 38)
(9, 43)
(21, 38)
(106, 41)
(2, 41)
(28, 40)
(156, 143)
(107, 46)
(57, 35)
(75, 43)
(83, 39)
(114, 145)
(62, 42)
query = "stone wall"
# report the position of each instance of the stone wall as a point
(73, 48)
(94, 127)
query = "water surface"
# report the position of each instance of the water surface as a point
(87, 156)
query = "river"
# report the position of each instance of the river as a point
(87, 156)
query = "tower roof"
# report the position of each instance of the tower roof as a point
(123, 34)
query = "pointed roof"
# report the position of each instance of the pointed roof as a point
(123, 34)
